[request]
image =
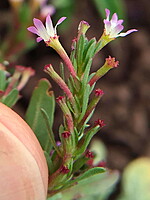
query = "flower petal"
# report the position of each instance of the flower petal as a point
(32, 29)
(114, 21)
(120, 21)
(107, 13)
(127, 33)
(59, 22)
(39, 39)
(49, 26)
(107, 26)
(41, 29)
(116, 30)
(114, 18)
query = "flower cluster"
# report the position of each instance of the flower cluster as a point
(114, 26)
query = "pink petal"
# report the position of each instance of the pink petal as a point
(41, 29)
(39, 39)
(32, 29)
(116, 30)
(107, 13)
(59, 22)
(49, 26)
(127, 33)
(114, 18)
(120, 21)
(107, 26)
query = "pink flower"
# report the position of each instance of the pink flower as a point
(23, 167)
(45, 33)
(114, 26)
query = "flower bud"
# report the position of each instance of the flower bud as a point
(23, 167)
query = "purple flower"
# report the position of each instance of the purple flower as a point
(114, 26)
(45, 33)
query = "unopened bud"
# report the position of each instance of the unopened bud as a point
(64, 170)
(66, 134)
(83, 27)
(98, 92)
(60, 99)
(89, 154)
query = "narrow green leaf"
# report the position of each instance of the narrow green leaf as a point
(79, 163)
(85, 175)
(62, 73)
(80, 49)
(89, 49)
(86, 73)
(85, 125)
(41, 98)
(70, 85)
(50, 132)
(89, 53)
(2, 80)
(49, 162)
(85, 101)
(11, 98)
(84, 142)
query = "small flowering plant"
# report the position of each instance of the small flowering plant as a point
(69, 157)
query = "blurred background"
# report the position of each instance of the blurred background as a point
(125, 107)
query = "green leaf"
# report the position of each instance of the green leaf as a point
(41, 98)
(84, 142)
(85, 101)
(49, 162)
(11, 98)
(86, 73)
(79, 163)
(80, 49)
(89, 50)
(85, 175)
(136, 180)
(50, 132)
(2, 80)
(58, 196)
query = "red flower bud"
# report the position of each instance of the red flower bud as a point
(64, 170)
(100, 123)
(66, 134)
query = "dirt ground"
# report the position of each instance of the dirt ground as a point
(125, 106)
